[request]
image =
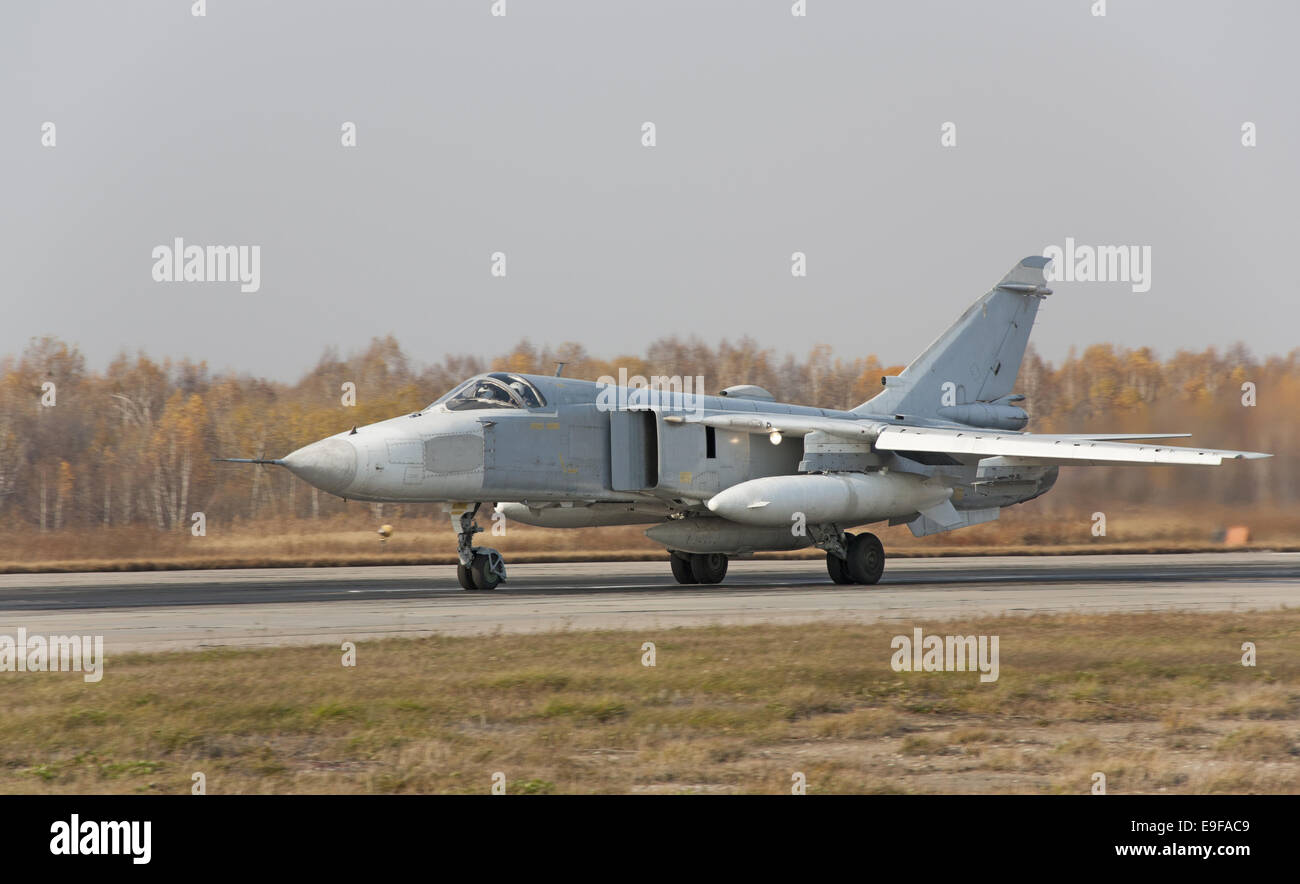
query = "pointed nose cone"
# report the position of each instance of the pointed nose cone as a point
(330, 464)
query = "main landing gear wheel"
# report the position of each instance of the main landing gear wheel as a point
(866, 560)
(838, 568)
(682, 568)
(484, 574)
(709, 567)
(465, 578)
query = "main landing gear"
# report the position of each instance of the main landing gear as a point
(480, 567)
(698, 568)
(863, 560)
(849, 559)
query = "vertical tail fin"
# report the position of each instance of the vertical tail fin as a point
(979, 355)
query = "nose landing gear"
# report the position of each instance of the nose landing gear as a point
(480, 567)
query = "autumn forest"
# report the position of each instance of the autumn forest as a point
(133, 445)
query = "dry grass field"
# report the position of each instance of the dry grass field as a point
(1157, 702)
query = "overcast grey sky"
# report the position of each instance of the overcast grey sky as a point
(523, 134)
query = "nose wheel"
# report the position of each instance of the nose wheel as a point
(480, 567)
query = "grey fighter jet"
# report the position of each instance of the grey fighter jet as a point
(939, 448)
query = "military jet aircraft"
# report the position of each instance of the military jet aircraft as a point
(722, 476)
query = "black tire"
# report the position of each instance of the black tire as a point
(481, 570)
(709, 567)
(838, 569)
(682, 568)
(465, 579)
(866, 559)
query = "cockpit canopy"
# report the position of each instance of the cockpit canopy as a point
(496, 390)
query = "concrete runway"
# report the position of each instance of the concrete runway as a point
(196, 609)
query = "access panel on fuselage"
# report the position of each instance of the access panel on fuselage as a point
(633, 450)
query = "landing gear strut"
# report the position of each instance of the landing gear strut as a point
(850, 558)
(480, 567)
(698, 568)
